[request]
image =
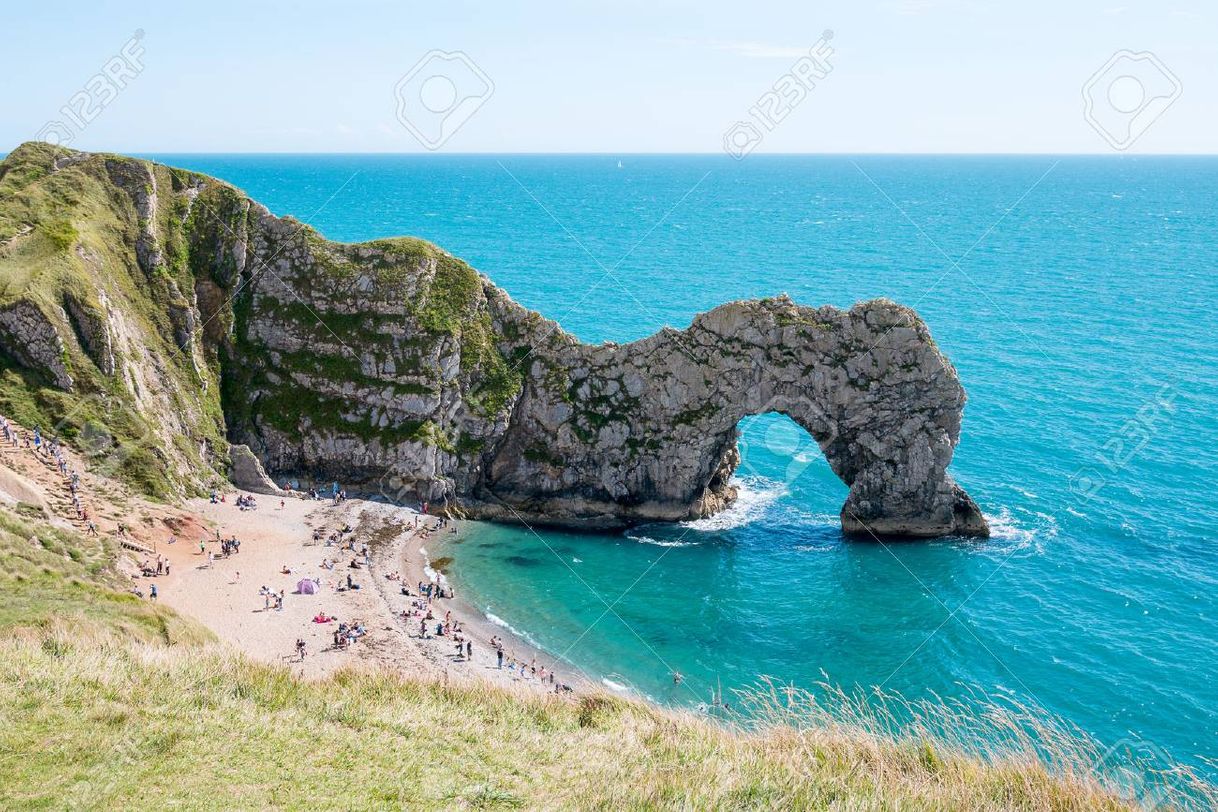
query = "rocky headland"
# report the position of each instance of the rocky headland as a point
(162, 315)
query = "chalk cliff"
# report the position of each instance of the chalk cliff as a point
(178, 315)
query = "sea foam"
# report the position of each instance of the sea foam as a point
(754, 496)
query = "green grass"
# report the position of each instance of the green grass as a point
(144, 727)
(75, 222)
(53, 579)
(73, 232)
(107, 701)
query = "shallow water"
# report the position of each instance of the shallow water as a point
(1079, 313)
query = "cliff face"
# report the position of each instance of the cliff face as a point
(394, 367)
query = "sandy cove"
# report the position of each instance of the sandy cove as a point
(223, 594)
(279, 534)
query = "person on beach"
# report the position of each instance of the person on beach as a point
(152, 592)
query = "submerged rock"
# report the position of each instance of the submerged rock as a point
(396, 369)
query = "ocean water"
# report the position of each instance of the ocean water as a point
(1076, 297)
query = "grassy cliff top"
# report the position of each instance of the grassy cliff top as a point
(108, 701)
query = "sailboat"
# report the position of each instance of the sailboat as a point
(619, 164)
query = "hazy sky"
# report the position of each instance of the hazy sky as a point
(654, 76)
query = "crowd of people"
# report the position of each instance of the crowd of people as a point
(421, 608)
(337, 495)
(152, 568)
(531, 671)
(51, 450)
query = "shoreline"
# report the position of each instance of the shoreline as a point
(410, 555)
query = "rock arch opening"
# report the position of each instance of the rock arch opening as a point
(782, 457)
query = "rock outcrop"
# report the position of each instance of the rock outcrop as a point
(247, 473)
(30, 337)
(397, 369)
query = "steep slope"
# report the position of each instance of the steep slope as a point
(173, 312)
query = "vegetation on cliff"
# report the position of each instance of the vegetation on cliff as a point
(142, 304)
(68, 231)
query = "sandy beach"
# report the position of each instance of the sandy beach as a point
(284, 542)
(278, 550)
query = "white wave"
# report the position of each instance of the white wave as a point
(503, 624)
(754, 495)
(658, 543)
(1005, 526)
(615, 686)
(498, 621)
(431, 574)
(575, 560)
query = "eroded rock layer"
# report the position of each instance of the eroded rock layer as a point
(397, 369)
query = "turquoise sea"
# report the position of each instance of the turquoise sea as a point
(1076, 297)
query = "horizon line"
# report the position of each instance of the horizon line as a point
(708, 153)
(644, 154)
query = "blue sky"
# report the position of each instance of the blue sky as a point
(657, 76)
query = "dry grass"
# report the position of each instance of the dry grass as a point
(96, 724)
(105, 709)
